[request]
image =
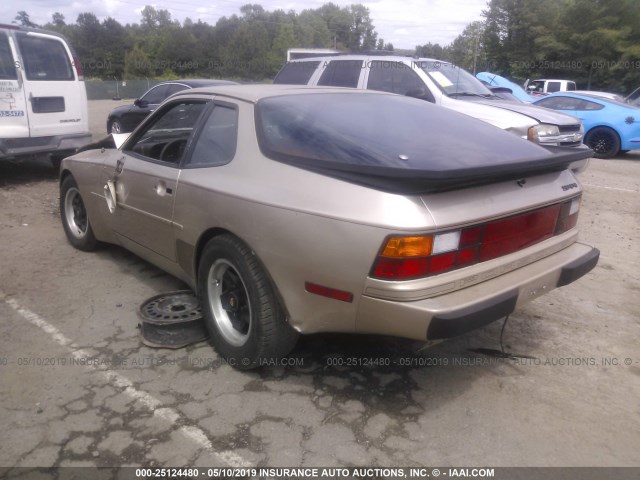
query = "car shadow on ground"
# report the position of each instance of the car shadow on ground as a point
(384, 373)
(24, 171)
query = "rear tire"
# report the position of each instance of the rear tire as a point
(75, 219)
(604, 142)
(243, 315)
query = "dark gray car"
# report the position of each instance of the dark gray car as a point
(126, 118)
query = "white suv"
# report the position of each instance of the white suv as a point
(438, 82)
(43, 101)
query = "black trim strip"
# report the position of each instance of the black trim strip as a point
(579, 267)
(469, 318)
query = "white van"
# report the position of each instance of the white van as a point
(43, 101)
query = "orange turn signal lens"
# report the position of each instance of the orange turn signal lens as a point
(403, 247)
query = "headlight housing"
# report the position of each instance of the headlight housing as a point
(543, 133)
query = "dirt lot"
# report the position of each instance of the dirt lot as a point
(78, 388)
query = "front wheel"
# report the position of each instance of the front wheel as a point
(243, 315)
(604, 142)
(75, 219)
(115, 127)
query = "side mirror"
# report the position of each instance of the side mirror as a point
(138, 102)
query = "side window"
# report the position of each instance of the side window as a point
(296, 73)
(560, 103)
(216, 144)
(587, 105)
(341, 73)
(44, 58)
(571, 86)
(167, 137)
(175, 88)
(553, 87)
(394, 77)
(156, 95)
(7, 63)
(537, 86)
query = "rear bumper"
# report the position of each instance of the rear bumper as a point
(16, 147)
(458, 312)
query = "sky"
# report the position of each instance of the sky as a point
(403, 23)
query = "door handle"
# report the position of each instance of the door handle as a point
(161, 189)
(119, 166)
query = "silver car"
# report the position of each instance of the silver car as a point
(300, 210)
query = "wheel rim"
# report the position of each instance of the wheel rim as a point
(601, 142)
(75, 213)
(229, 302)
(115, 127)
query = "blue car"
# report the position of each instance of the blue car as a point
(611, 127)
(493, 80)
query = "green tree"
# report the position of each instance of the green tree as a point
(22, 18)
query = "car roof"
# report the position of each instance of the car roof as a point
(255, 92)
(360, 56)
(199, 82)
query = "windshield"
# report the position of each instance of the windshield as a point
(453, 80)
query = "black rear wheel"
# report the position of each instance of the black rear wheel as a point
(243, 315)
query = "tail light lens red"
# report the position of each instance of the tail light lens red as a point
(409, 257)
(79, 69)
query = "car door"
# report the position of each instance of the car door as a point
(145, 178)
(14, 121)
(56, 98)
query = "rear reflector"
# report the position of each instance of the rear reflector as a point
(328, 292)
(404, 258)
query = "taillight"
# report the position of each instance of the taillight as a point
(408, 257)
(79, 69)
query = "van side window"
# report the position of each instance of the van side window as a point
(216, 144)
(296, 73)
(553, 87)
(7, 64)
(393, 77)
(341, 73)
(44, 58)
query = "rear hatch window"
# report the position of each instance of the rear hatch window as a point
(396, 143)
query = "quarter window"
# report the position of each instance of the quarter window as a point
(216, 144)
(296, 73)
(560, 103)
(167, 137)
(341, 73)
(44, 58)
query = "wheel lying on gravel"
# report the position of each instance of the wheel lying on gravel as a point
(243, 315)
(74, 216)
(604, 142)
